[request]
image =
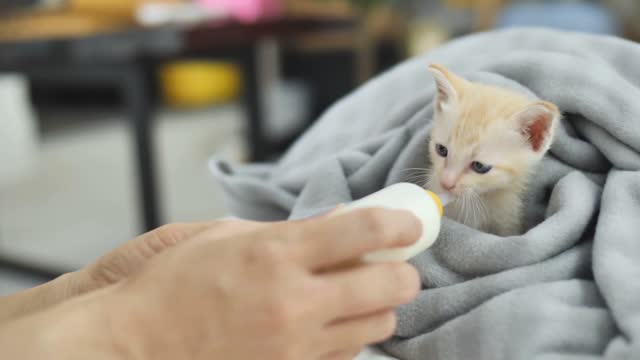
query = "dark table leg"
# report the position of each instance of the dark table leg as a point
(258, 144)
(136, 90)
(140, 110)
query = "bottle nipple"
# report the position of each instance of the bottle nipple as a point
(437, 200)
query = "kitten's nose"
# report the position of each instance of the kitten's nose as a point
(448, 181)
(447, 185)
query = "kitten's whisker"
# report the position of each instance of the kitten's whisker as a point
(428, 177)
(418, 169)
(417, 173)
(415, 178)
(418, 176)
(464, 208)
(474, 208)
(471, 208)
(481, 207)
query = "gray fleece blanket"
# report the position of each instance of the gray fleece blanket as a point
(569, 288)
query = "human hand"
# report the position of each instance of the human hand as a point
(129, 258)
(268, 291)
(109, 269)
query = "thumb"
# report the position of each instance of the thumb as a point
(318, 216)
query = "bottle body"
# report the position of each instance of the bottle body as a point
(425, 205)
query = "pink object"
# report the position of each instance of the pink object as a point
(246, 10)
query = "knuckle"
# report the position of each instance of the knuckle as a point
(266, 251)
(170, 228)
(323, 288)
(281, 315)
(171, 231)
(284, 314)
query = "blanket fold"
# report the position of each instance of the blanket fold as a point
(569, 287)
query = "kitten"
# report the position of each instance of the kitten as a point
(484, 143)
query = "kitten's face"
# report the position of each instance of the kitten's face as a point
(484, 138)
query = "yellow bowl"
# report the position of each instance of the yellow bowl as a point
(199, 83)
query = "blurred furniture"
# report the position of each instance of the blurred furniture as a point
(628, 11)
(31, 19)
(28, 5)
(320, 58)
(571, 16)
(57, 25)
(484, 11)
(127, 60)
(193, 84)
(246, 10)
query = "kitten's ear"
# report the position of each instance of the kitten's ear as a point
(446, 84)
(537, 122)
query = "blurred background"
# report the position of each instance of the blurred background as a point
(111, 109)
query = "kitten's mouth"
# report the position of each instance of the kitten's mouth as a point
(446, 198)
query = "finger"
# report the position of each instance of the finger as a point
(327, 213)
(220, 226)
(348, 354)
(371, 288)
(130, 257)
(224, 228)
(169, 235)
(362, 331)
(321, 215)
(181, 232)
(330, 241)
(166, 236)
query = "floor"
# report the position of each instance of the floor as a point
(80, 200)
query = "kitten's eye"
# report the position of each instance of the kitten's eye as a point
(480, 168)
(442, 150)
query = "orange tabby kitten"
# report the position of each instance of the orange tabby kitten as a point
(484, 142)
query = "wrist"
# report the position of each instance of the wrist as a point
(142, 330)
(40, 297)
(80, 328)
(134, 324)
(89, 327)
